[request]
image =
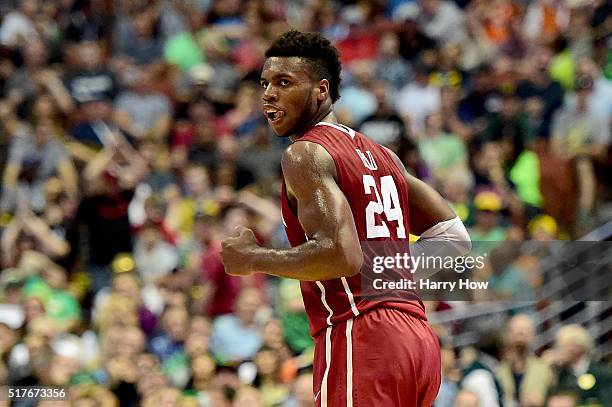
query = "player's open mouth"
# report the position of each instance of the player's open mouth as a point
(274, 115)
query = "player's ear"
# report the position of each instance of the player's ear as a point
(323, 90)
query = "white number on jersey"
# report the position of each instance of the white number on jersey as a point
(389, 205)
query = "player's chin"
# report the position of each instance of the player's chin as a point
(281, 129)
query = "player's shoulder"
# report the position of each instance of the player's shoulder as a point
(304, 152)
(304, 157)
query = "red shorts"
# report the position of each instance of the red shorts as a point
(382, 358)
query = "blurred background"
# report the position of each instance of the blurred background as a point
(131, 144)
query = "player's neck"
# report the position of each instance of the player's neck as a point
(327, 116)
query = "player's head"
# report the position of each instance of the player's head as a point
(300, 80)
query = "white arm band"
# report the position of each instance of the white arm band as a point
(446, 239)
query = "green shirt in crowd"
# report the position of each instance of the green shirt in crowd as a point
(60, 306)
(184, 51)
(525, 174)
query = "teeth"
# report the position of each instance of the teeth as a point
(274, 114)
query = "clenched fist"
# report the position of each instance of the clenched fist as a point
(237, 251)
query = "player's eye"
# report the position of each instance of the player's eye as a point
(284, 82)
(263, 84)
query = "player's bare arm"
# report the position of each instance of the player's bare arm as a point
(332, 249)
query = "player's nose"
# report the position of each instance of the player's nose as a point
(269, 94)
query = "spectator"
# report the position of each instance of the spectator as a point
(110, 179)
(225, 288)
(147, 299)
(174, 16)
(141, 111)
(452, 122)
(261, 156)
(196, 137)
(524, 377)
(198, 199)
(384, 126)
(479, 376)
(521, 178)
(29, 238)
(91, 78)
(35, 76)
(219, 62)
(91, 21)
(441, 20)
(581, 134)
(236, 337)
(160, 176)
(539, 89)
(507, 281)
(359, 44)
(418, 99)
(33, 159)
(412, 39)
(155, 257)
(181, 47)
(91, 135)
(601, 97)
(444, 153)
(169, 345)
(138, 42)
(476, 105)
(359, 102)
(449, 392)
(448, 73)
(574, 370)
(244, 119)
(293, 317)
(268, 366)
(488, 226)
(391, 66)
(510, 122)
(301, 396)
(203, 369)
(18, 25)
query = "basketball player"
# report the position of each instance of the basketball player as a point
(367, 353)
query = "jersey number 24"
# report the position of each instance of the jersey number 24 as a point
(389, 205)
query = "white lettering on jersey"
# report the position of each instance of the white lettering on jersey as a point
(368, 161)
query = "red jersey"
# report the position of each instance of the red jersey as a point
(377, 192)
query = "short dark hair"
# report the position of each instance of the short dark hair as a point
(323, 58)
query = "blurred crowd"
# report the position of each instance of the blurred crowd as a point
(131, 144)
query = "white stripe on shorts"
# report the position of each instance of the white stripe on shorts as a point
(349, 363)
(349, 294)
(325, 304)
(328, 333)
